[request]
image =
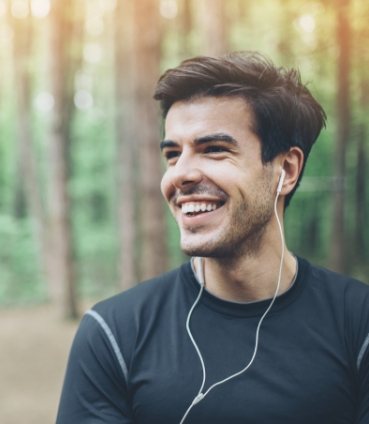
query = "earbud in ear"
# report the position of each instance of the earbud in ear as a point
(281, 180)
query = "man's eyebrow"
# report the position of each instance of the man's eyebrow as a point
(216, 137)
(167, 143)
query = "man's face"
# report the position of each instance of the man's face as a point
(217, 187)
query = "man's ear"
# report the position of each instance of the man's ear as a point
(292, 163)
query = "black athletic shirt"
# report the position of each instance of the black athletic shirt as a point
(132, 360)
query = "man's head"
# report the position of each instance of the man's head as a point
(285, 114)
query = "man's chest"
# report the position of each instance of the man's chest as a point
(298, 376)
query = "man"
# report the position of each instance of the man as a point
(246, 332)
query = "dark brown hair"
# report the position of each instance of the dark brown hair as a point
(285, 112)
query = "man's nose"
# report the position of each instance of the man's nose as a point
(186, 172)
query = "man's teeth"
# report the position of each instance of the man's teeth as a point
(195, 207)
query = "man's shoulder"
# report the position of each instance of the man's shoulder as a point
(335, 287)
(334, 280)
(147, 294)
(114, 325)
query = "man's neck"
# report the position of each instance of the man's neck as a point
(248, 279)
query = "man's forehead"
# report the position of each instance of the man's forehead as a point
(208, 115)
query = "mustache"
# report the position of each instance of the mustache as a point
(200, 189)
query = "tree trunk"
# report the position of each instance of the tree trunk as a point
(185, 27)
(27, 165)
(285, 43)
(126, 139)
(61, 252)
(343, 36)
(22, 44)
(146, 61)
(213, 26)
(361, 207)
(362, 160)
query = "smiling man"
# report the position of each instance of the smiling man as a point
(246, 331)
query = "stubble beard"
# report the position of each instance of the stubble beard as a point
(241, 236)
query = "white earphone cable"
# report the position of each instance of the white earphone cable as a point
(200, 395)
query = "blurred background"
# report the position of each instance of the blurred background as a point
(81, 215)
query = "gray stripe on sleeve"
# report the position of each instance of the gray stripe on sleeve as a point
(111, 339)
(363, 349)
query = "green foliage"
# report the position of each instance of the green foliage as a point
(7, 152)
(176, 257)
(21, 280)
(93, 203)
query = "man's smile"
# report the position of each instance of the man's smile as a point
(192, 208)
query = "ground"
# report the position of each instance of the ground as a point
(34, 346)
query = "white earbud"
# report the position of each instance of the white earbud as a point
(281, 180)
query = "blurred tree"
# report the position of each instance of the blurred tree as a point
(242, 7)
(146, 68)
(361, 204)
(27, 187)
(22, 54)
(285, 40)
(343, 36)
(185, 26)
(126, 144)
(63, 21)
(213, 25)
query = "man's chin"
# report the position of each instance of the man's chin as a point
(202, 250)
(193, 250)
(219, 248)
(203, 245)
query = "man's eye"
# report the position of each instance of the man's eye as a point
(215, 149)
(172, 154)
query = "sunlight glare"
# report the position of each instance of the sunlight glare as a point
(107, 5)
(2, 8)
(19, 9)
(110, 5)
(40, 8)
(44, 102)
(6, 35)
(168, 9)
(83, 100)
(307, 23)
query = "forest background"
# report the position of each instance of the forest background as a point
(81, 214)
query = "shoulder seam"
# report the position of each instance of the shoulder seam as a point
(103, 324)
(362, 351)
